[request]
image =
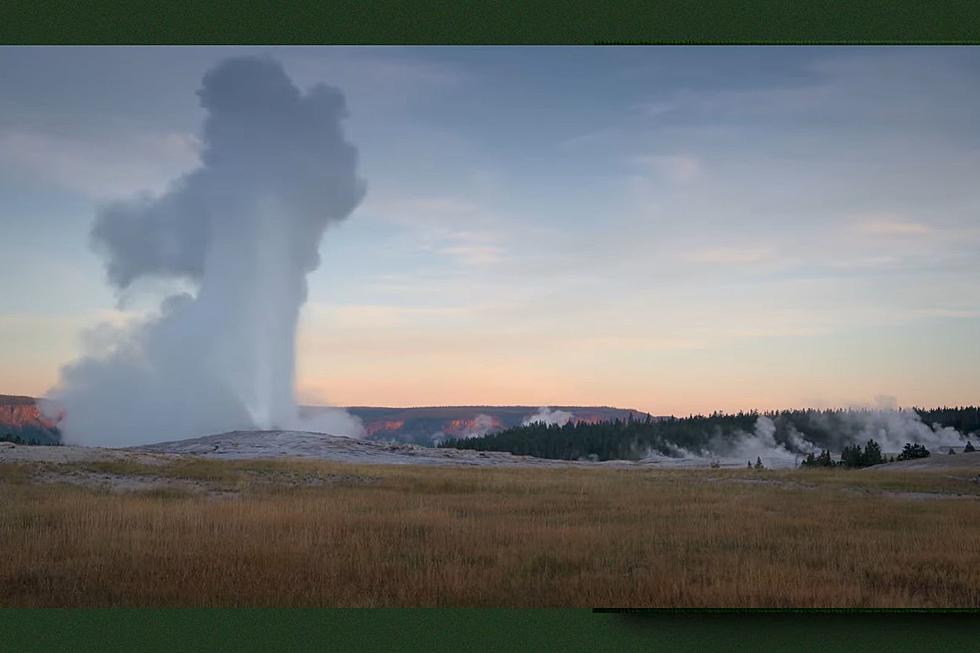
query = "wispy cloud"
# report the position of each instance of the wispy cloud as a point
(447, 225)
(474, 254)
(635, 343)
(730, 255)
(596, 137)
(964, 313)
(678, 168)
(69, 322)
(893, 226)
(375, 78)
(384, 316)
(99, 169)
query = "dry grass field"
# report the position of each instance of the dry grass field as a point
(295, 533)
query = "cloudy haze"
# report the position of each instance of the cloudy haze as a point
(669, 229)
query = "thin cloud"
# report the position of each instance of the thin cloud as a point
(635, 343)
(474, 254)
(100, 170)
(447, 225)
(375, 78)
(886, 226)
(381, 316)
(958, 313)
(596, 138)
(678, 168)
(730, 255)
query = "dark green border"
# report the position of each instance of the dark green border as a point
(103, 631)
(490, 22)
(786, 611)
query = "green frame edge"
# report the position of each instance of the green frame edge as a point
(415, 22)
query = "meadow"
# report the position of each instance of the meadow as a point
(299, 533)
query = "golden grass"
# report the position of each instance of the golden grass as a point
(413, 536)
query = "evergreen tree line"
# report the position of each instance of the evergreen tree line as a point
(27, 437)
(854, 456)
(965, 419)
(632, 439)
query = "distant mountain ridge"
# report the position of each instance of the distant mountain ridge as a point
(429, 424)
(20, 416)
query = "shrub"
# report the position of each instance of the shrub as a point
(823, 460)
(913, 451)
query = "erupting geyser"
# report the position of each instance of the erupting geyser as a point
(245, 227)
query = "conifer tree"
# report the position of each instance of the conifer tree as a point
(872, 454)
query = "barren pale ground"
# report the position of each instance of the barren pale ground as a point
(89, 527)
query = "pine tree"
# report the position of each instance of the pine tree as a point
(969, 447)
(872, 454)
(913, 451)
(851, 456)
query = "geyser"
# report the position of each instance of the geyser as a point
(244, 227)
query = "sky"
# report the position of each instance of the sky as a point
(671, 229)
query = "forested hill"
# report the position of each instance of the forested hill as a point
(21, 420)
(633, 439)
(965, 419)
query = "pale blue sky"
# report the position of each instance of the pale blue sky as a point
(671, 229)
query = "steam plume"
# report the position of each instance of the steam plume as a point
(890, 426)
(482, 424)
(761, 443)
(547, 416)
(244, 227)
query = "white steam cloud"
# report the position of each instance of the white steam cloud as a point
(761, 444)
(743, 446)
(482, 424)
(887, 424)
(891, 429)
(245, 228)
(549, 417)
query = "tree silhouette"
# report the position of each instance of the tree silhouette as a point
(912, 451)
(872, 454)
